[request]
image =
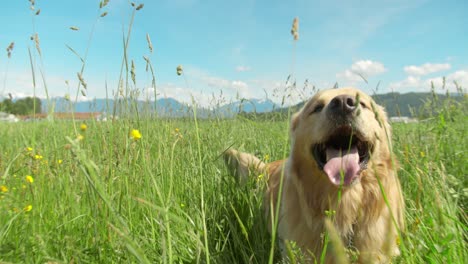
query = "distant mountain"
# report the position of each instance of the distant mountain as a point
(396, 104)
(167, 107)
(410, 104)
(164, 107)
(249, 106)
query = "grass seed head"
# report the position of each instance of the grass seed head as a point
(295, 28)
(103, 3)
(82, 81)
(179, 70)
(150, 45)
(36, 41)
(10, 49)
(132, 72)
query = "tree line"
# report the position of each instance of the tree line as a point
(24, 106)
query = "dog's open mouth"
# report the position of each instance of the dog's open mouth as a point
(343, 156)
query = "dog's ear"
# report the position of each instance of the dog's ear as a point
(294, 121)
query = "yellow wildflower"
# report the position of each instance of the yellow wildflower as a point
(29, 149)
(38, 157)
(27, 208)
(135, 134)
(3, 189)
(422, 154)
(177, 133)
(79, 137)
(267, 157)
(83, 127)
(29, 179)
(260, 177)
(59, 161)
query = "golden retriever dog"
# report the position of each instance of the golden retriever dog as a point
(340, 168)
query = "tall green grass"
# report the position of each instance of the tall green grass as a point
(113, 198)
(101, 196)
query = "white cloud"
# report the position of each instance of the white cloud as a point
(181, 94)
(20, 85)
(215, 83)
(239, 85)
(361, 69)
(242, 68)
(281, 92)
(416, 83)
(426, 68)
(368, 67)
(460, 77)
(409, 82)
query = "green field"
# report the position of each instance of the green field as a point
(104, 197)
(101, 194)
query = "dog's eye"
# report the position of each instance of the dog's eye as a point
(317, 108)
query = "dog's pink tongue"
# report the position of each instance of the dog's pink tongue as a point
(340, 162)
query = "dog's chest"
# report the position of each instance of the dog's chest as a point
(306, 226)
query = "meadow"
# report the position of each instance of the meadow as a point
(156, 190)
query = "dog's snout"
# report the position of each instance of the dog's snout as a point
(344, 104)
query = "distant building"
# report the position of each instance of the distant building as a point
(10, 118)
(64, 116)
(403, 119)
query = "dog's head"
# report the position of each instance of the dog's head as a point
(339, 132)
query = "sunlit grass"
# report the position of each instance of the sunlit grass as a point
(143, 189)
(109, 197)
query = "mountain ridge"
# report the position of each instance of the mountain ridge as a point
(396, 104)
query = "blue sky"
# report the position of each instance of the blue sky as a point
(231, 49)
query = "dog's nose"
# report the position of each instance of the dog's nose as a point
(343, 104)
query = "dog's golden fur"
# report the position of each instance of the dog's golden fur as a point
(366, 206)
